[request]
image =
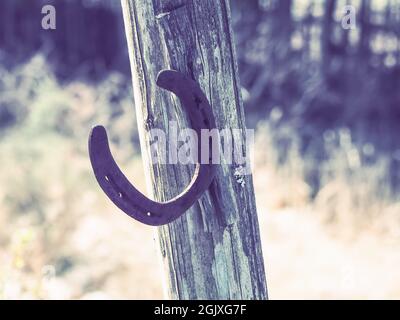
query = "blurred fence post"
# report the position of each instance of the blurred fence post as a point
(214, 250)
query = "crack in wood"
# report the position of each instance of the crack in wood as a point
(169, 8)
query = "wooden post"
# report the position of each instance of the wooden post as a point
(213, 251)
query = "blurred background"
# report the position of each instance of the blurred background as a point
(325, 103)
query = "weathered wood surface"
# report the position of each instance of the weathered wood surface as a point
(214, 250)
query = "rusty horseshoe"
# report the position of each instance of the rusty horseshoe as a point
(118, 188)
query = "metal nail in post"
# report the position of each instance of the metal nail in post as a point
(118, 188)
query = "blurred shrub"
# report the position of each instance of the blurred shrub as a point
(46, 183)
(344, 183)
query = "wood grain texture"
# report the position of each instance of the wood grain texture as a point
(214, 250)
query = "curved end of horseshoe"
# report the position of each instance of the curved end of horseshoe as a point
(116, 186)
(97, 135)
(166, 79)
(98, 144)
(177, 82)
(99, 149)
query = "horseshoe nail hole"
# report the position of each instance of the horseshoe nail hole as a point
(148, 214)
(120, 195)
(106, 177)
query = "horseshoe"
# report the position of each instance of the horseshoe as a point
(118, 188)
